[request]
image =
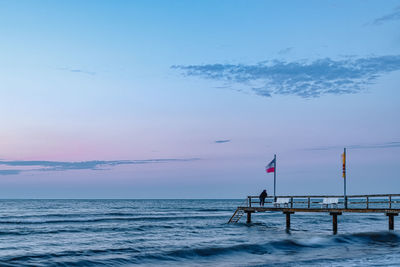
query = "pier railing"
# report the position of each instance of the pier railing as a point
(382, 201)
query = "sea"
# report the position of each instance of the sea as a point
(185, 233)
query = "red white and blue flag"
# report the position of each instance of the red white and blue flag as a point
(270, 167)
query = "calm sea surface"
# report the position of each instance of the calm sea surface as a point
(185, 232)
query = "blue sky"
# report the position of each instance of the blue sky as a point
(183, 99)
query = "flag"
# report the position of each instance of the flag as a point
(270, 167)
(344, 164)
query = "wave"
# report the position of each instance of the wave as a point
(85, 230)
(136, 255)
(68, 257)
(213, 210)
(113, 219)
(66, 215)
(286, 245)
(191, 253)
(132, 229)
(390, 238)
(260, 249)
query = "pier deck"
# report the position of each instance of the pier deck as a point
(388, 204)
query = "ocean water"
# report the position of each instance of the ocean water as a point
(185, 233)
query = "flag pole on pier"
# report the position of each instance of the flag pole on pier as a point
(274, 177)
(271, 167)
(344, 177)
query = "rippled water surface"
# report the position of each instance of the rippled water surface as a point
(184, 232)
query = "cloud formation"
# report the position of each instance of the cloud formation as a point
(358, 146)
(80, 165)
(222, 141)
(304, 79)
(395, 15)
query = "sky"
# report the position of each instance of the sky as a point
(192, 99)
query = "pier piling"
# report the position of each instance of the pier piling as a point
(288, 219)
(334, 221)
(248, 217)
(391, 220)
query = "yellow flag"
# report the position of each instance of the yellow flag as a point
(344, 165)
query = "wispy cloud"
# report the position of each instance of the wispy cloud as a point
(359, 146)
(222, 141)
(304, 79)
(9, 172)
(80, 165)
(76, 70)
(395, 15)
(285, 51)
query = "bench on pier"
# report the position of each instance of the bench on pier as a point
(281, 201)
(330, 201)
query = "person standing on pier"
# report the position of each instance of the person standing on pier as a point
(262, 197)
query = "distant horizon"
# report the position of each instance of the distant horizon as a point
(241, 199)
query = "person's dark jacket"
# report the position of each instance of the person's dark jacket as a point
(263, 194)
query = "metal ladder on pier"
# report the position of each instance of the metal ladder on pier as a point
(236, 216)
(238, 213)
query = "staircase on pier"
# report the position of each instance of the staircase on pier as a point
(236, 216)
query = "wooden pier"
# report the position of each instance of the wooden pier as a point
(387, 204)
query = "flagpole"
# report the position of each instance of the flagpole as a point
(275, 177)
(344, 176)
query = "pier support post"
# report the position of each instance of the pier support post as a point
(334, 221)
(288, 219)
(391, 219)
(248, 217)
